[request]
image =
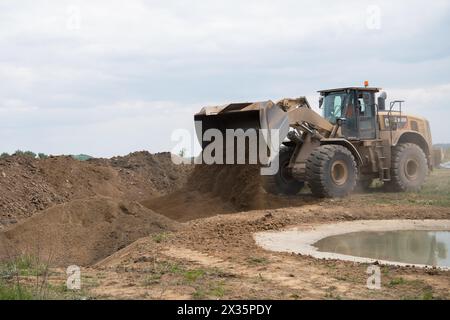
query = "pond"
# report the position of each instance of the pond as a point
(419, 243)
(411, 247)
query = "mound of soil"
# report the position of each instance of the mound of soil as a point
(82, 232)
(142, 173)
(28, 185)
(218, 189)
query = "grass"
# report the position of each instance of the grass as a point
(23, 278)
(161, 268)
(257, 261)
(435, 192)
(160, 237)
(417, 289)
(206, 282)
(193, 275)
(212, 290)
(27, 278)
(396, 282)
(15, 292)
(25, 265)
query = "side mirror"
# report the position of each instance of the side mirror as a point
(320, 102)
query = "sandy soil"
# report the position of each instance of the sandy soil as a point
(143, 230)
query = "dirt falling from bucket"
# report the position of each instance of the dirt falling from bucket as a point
(219, 189)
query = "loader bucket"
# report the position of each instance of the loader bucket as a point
(260, 115)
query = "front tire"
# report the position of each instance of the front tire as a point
(409, 168)
(283, 183)
(331, 171)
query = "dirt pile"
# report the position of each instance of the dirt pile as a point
(82, 232)
(28, 185)
(142, 173)
(218, 189)
(79, 212)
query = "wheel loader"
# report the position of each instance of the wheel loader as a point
(358, 138)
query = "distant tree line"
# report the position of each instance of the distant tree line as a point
(21, 153)
(31, 154)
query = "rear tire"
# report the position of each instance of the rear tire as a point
(331, 171)
(409, 168)
(283, 183)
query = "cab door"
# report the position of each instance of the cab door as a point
(350, 126)
(365, 110)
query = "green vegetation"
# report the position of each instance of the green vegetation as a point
(193, 275)
(215, 290)
(21, 153)
(435, 192)
(257, 261)
(160, 237)
(24, 266)
(206, 282)
(27, 278)
(31, 154)
(15, 292)
(16, 276)
(396, 282)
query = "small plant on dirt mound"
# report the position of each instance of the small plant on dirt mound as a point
(4, 155)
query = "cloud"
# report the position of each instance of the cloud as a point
(99, 68)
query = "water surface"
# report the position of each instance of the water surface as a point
(412, 247)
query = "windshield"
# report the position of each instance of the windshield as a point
(334, 104)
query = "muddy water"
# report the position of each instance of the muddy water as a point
(413, 247)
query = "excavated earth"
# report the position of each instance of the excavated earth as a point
(78, 212)
(143, 227)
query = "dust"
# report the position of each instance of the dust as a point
(220, 189)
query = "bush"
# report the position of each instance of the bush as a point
(42, 156)
(4, 155)
(21, 153)
(30, 154)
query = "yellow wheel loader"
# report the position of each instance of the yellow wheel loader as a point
(357, 139)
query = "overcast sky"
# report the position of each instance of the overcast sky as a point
(111, 77)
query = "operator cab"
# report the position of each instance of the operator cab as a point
(354, 108)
